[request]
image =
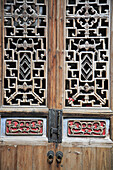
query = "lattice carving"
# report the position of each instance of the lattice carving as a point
(87, 53)
(86, 128)
(24, 127)
(25, 55)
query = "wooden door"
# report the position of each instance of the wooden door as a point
(56, 54)
(83, 148)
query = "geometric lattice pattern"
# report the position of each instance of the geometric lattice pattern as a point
(25, 54)
(87, 53)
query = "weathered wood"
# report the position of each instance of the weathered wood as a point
(111, 127)
(0, 9)
(55, 68)
(89, 158)
(103, 158)
(50, 31)
(0, 66)
(52, 166)
(0, 75)
(23, 112)
(35, 158)
(0, 156)
(39, 157)
(59, 166)
(112, 158)
(1, 49)
(60, 54)
(0, 124)
(52, 54)
(24, 157)
(8, 157)
(82, 112)
(0, 36)
(86, 158)
(72, 158)
(111, 53)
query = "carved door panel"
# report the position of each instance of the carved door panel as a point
(87, 85)
(25, 53)
(28, 61)
(56, 83)
(87, 60)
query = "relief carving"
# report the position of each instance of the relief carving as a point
(84, 128)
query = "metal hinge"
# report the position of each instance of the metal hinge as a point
(55, 126)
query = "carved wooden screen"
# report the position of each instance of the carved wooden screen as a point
(87, 53)
(70, 42)
(25, 53)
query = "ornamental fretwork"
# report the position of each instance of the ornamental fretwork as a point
(24, 127)
(87, 53)
(25, 56)
(87, 128)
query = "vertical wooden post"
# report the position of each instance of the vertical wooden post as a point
(1, 36)
(60, 54)
(52, 53)
(111, 46)
(111, 127)
(55, 50)
(0, 125)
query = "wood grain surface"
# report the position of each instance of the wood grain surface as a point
(23, 157)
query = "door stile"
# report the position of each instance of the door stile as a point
(56, 54)
(52, 53)
(111, 73)
(1, 48)
(53, 64)
(60, 54)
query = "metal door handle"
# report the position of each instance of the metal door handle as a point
(59, 156)
(50, 156)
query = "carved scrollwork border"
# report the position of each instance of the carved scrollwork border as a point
(24, 127)
(86, 128)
